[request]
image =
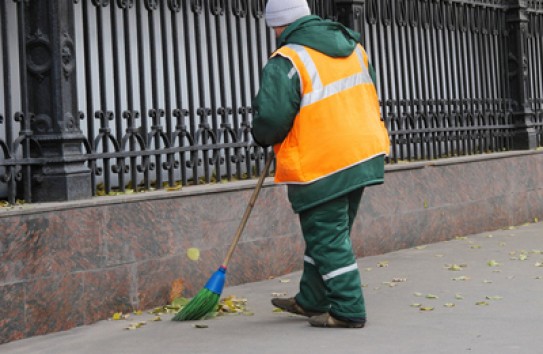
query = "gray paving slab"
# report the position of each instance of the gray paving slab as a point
(483, 294)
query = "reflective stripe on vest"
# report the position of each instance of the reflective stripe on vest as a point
(320, 92)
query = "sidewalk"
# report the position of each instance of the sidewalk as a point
(478, 294)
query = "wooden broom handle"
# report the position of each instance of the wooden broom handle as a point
(248, 210)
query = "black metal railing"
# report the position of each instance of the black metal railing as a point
(158, 92)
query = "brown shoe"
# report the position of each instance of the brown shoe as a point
(290, 305)
(327, 320)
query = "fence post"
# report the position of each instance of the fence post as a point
(524, 135)
(350, 12)
(52, 100)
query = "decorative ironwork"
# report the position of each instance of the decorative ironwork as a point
(166, 85)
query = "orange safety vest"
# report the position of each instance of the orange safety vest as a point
(338, 125)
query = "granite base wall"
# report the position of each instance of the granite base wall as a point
(69, 264)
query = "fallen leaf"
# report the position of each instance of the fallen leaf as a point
(201, 326)
(173, 188)
(278, 294)
(482, 303)
(421, 247)
(427, 308)
(493, 263)
(475, 247)
(494, 297)
(459, 297)
(136, 325)
(416, 305)
(432, 296)
(382, 264)
(449, 305)
(462, 278)
(455, 267)
(417, 294)
(284, 281)
(117, 316)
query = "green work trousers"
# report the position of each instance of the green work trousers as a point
(331, 281)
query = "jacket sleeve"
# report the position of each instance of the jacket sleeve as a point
(277, 102)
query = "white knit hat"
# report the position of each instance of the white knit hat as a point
(284, 12)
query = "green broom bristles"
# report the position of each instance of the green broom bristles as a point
(199, 306)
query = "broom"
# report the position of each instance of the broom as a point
(207, 299)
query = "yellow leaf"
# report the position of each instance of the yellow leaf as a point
(449, 305)
(117, 316)
(432, 296)
(455, 267)
(427, 308)
(137, 312)
(174, 188)
(193, 254)
(136, 325)
(482, 303)
(493, 263)
(494, 297)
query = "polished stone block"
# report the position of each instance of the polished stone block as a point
(67, 264)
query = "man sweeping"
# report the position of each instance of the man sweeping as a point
(317, 105)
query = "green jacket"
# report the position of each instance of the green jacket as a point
(278, 101)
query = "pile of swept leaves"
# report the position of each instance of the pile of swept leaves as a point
(227, 306)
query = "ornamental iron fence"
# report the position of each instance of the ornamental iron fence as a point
(118, 96)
